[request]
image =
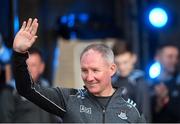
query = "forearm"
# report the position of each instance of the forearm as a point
(21, 74)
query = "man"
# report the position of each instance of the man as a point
(98, 102)
(32, 113)
(6, 91)
(5, 61)
(166, 87)
(130, 79)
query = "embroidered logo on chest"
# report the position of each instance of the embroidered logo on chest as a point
(85, 109)
(123, 115)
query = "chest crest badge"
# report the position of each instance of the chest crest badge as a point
(123, 115)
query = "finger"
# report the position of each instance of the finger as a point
(23, 26)
(28, 24)
(30, 29)
(34, 27)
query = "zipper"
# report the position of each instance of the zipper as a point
(104, 111)
(101, 106)
(104, 107)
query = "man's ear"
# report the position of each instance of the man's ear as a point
(134, 58)
(113, 69)
(42, 67)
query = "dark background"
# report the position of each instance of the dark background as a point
(125, 19)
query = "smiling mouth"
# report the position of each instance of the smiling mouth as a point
(91, 84)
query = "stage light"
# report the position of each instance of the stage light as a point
(158, 17)
(83, 18)
(16, 24)
(71, 20)
(154, 70)
(63, 19)
(68, 20)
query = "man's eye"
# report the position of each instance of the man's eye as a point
(95, 70)
(84, 71)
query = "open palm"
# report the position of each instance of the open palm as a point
(26, 36)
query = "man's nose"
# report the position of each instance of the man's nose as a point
(90, 77)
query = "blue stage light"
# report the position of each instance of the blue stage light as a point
(83, 17)
(16, 24)
(154, 70)
(71, 20)
(158, 17)
(63, 19)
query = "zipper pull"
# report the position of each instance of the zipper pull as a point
(104, 110)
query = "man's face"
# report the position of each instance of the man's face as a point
(96, 73)
(35, 66)
(168, 58)
(125, 63)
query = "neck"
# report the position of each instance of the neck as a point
(107, 93)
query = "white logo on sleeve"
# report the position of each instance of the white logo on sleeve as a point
(131, 102)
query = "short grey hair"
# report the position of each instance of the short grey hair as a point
(104, 50)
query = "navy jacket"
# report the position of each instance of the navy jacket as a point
(136, 88)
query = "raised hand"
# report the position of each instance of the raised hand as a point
(26, 36)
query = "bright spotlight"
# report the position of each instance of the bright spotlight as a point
(155, 70)
(158, 17)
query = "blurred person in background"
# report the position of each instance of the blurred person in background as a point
(166, 86)
(32, 113)
(6, 91)
(5, 59)
(131, 80)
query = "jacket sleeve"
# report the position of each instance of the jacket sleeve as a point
(144, 99)
(141, 119)
(49, 99)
